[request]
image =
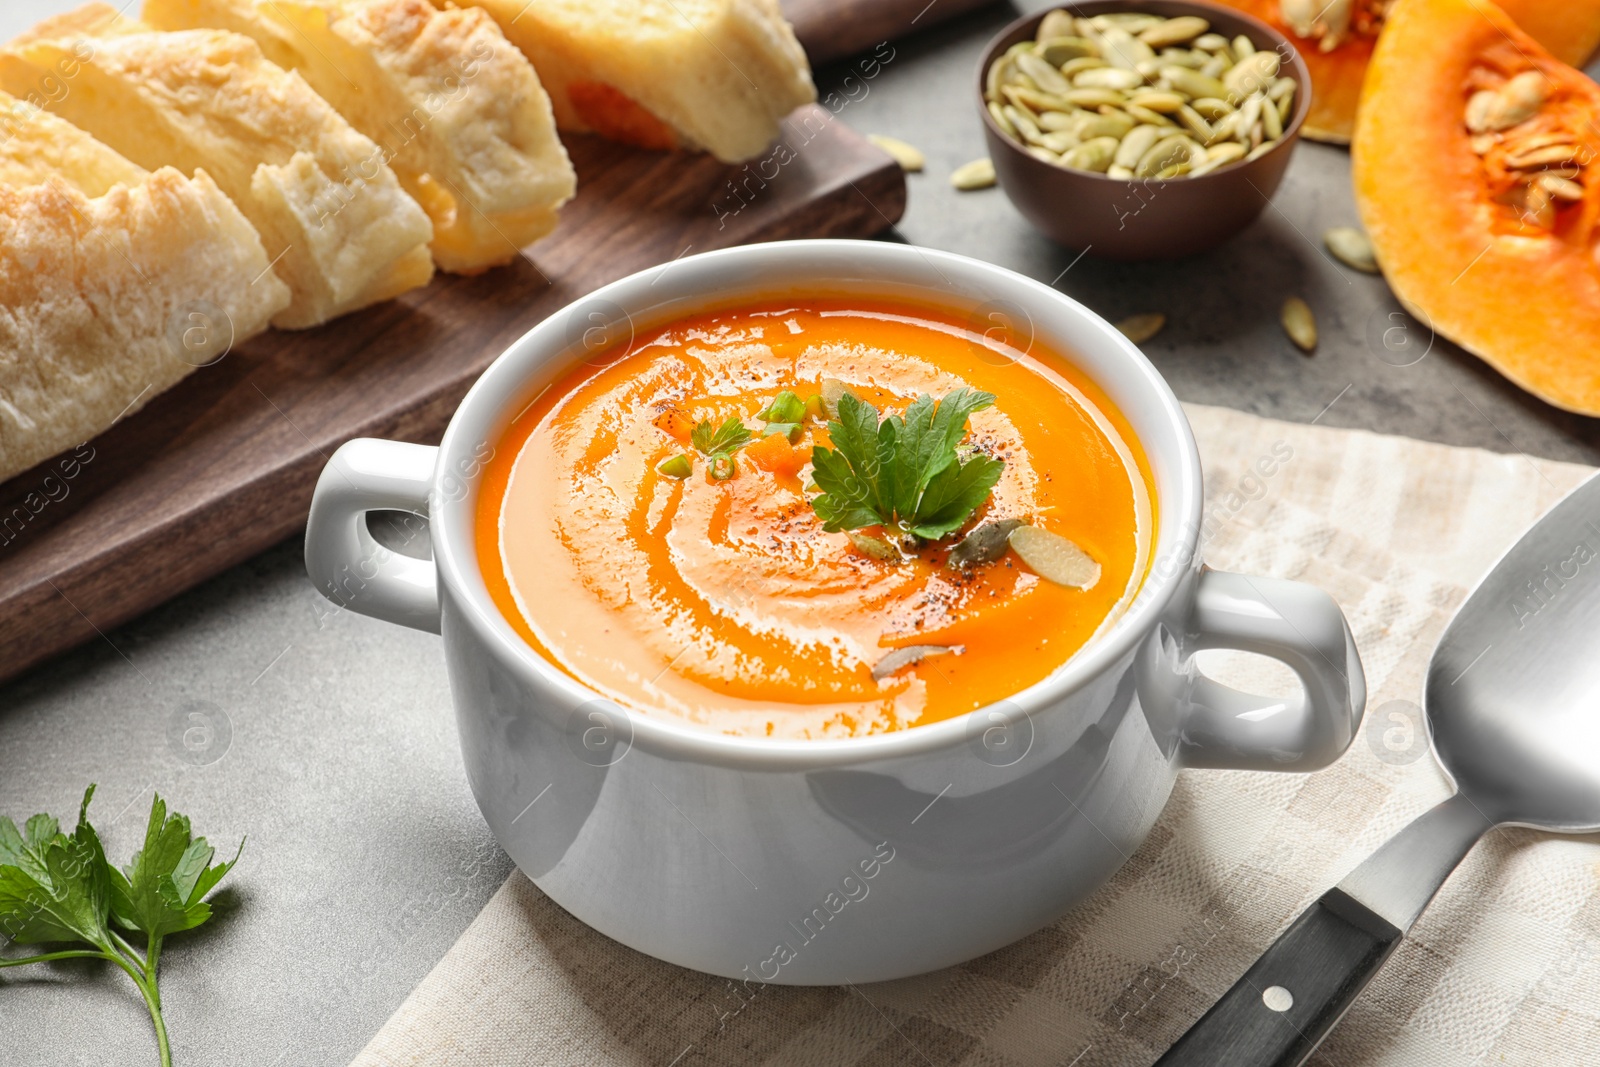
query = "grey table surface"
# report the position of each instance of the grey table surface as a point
(329, 740)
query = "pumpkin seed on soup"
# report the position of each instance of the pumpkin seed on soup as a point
(901, 658)
(1054, 558)
(873, 547)
(985, 544)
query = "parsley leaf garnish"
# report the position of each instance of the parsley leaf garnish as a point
(161, 891)
(723, 440)
(902, 472)
(60, 888)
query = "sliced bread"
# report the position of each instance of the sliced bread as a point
(711, 74)
(458, 111)
(36, 147)
(109, 300)
(338, 228)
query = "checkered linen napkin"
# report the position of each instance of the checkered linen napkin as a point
(1503, 968)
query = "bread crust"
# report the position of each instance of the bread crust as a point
(107, 301)
(38, 147)
(458, 110)
(330, 212)
(720, 73)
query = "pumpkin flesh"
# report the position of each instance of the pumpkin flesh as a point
(1336, 40)
(1466, 229)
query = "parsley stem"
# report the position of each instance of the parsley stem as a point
(69, 954)
(152, 1001)
(147, 989)
(147, 985)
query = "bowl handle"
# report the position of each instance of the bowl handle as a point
(345, 561)
(1302, 627)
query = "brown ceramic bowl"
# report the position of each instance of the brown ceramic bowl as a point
(1144, 219)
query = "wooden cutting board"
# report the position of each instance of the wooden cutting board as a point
(222, 466)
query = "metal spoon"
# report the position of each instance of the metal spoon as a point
(1510, 711)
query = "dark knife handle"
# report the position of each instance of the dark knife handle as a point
(1294, 994)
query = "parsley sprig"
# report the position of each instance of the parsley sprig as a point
(726, 439)
(902, 473)
(57, 887)
(718, 444)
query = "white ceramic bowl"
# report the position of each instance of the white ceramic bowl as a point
(850, 860)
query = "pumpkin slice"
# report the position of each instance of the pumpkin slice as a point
(1335, 37)
(1476, 176)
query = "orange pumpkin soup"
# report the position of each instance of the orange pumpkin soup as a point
(628, 543)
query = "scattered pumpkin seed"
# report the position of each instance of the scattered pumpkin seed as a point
(1351, 247)
(1299, 323)
(985, 544)
(1054, 558)
(1140, 328)
(908, 156)
(979, 174)
(901, 658)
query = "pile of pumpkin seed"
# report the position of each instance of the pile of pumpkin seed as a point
(1542, 157)
(1131, 95)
